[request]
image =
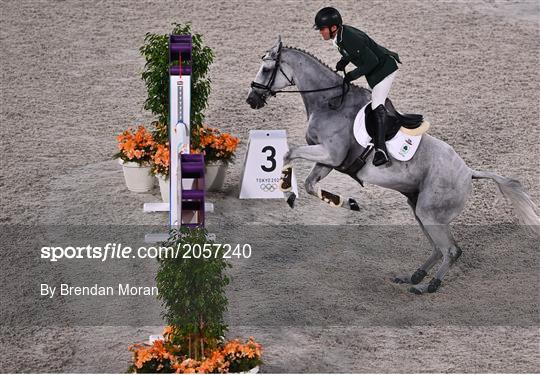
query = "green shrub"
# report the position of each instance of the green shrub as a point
(192, 292)
(156, 77)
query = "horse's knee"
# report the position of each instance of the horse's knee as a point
(454, 253)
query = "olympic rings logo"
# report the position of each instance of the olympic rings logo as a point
(268, 188)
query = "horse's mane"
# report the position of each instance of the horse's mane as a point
(311, 55)
(316, 59)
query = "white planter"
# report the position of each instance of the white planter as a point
(138, 178)
(254, 370)
(164, 187)
(214, 176)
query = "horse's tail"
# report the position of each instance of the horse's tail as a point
(525, 209)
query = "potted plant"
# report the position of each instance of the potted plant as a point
(168, 355)
(157, 357)
(219, 150)
(160, 168)
(192, 293)
(156, 78)
(135, 152)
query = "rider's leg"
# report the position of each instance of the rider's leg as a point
(379, 94)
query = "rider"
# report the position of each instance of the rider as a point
(378, 64)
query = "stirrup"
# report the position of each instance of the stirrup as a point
(380, 157)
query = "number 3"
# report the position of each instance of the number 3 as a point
(270, 158)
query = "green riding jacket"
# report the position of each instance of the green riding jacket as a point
(371, 60)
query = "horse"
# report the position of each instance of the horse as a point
(436, 181)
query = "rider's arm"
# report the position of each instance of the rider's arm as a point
(341, 64)
(365, 61)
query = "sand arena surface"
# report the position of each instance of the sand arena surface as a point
(71, 81)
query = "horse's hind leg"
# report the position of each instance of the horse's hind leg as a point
(436, 208)
(318, 172)
(436, 254)
(445, 242)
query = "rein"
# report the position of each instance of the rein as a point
(273, 93)
(277, 66)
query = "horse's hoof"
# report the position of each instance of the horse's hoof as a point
(434, 285)
(291, 199)
(418, 276)
(353, 205)
(414, 290)
(399, 280)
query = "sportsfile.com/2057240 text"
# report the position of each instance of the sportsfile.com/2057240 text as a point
(118, 251)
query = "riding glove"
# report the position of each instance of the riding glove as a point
(348, 78)
(341, 64)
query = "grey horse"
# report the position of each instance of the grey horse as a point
(436, 181)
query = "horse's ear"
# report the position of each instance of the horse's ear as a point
(279, 44)
(276, 49)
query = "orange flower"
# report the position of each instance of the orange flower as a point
(187, 366)
(161, 157)
(214, 144)
(136, 145)
(219, 360)
(169, 329)
(231, 144)
(142, 356)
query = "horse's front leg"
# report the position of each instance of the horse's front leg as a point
(317, 153)
(318, 172)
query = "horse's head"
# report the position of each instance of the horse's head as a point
(273, 75)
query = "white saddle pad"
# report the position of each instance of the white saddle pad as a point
(402, 147)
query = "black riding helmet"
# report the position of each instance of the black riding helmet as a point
(327, 17)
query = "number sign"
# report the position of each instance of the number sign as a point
(263, 163)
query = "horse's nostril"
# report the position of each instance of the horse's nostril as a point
(253, 102)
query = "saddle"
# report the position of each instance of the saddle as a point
(403, 136)
(394, 121)
(403, 132)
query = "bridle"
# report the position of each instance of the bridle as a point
(277, 67)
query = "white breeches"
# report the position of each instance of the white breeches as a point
(379, 93)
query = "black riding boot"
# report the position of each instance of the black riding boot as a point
(381, 154)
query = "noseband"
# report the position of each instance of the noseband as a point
(277, 66)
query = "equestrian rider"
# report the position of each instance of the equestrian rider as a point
(378, 64)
